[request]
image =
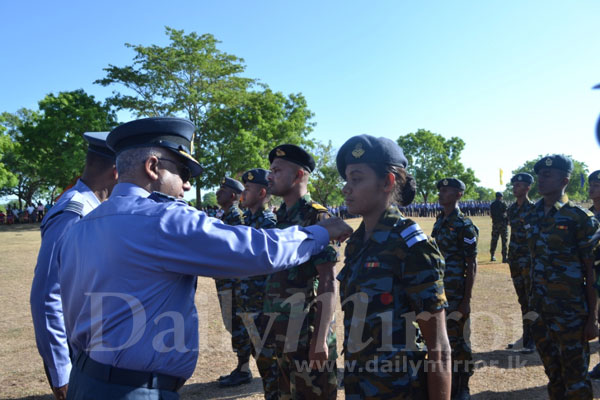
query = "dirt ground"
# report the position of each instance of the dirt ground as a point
(500, 374)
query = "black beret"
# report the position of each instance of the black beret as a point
(175, 134)
(369, 150)
(557, 161)
(594, 176)
(256, 175)
(522, 177)
(499, 194)
(293, 153)
(97, 144)
(451, 182)
(233, 184)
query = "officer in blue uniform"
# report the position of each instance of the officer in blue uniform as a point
(128, 269)
(98, 178)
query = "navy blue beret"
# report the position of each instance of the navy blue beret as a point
(256, 175)
(522, 177)
(451, 182)
(556, 161)
(175, 134)
(369, 150)
(499, 194)
(233, 184)
(97, 144)
(295, 154)
(594, 176)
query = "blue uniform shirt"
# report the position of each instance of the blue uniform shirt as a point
(128, 273)
(46, 306)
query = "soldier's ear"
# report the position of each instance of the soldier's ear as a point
(151, 167)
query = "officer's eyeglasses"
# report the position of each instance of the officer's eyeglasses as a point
(183, 171)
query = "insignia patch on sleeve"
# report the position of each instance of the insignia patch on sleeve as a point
(413, 234)
(470, 241)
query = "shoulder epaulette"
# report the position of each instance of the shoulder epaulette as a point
(318, 207)
(412, 233)
(74, 206)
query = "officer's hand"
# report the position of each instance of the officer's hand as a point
(60, 393)
(591, 329)
(317, 356)
(338, 230)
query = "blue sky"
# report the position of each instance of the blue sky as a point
(513, 79)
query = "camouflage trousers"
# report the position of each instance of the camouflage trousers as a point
(249, 301)
(297, 381)
(519, 272)
(409, 383)
(240, 340)
(565, 355)
(459, 335)
(499, 230)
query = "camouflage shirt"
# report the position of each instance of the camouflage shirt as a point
(262, 219)
(233, 216)
(558, 242)
(399, 270)
(456, 237)
(301, 281)
(518, 229)
(498, 212)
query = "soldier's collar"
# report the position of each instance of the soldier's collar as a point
(388, 220)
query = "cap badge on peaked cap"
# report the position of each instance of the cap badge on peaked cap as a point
(548, 162)
(280, 153)
(358, 151)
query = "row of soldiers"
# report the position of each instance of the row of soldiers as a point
(470, 208)
(141, 250)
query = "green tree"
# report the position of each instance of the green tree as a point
(7, 178)
(48, 147)
(481, 193)
(190, 77)
(209, 199)
(325, 183)
(574, 190)
(432, 157)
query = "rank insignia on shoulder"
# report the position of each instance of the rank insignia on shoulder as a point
(161, 197)
(319, 207)
(470, 241)
(358, 151)
(373, 264)
(75, 207)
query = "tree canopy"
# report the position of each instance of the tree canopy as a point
(237, 119)
(325, 183)
(432, 157)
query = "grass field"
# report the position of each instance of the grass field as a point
(501, 374)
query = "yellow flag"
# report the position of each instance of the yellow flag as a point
(501, 174)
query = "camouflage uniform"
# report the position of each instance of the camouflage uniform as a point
(226, 289)
(296, 382)
(499, 226)
(558, 242)
(519, 260)
(398, 271)
(249, 300)
(456, 237)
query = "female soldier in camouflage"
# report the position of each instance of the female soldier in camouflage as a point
(393, 272)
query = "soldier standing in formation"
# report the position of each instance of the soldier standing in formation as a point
(391, 269)
(228, 197)
(519, 258)
(499, 216)
(250, 291)
(594, 193)
(562, 293)
(303, 297)
(456, 237)
(98, 178)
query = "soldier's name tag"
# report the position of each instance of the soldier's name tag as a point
(373, 264)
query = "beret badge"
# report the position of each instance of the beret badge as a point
(358, 151)
(445, 182)
(519, 178)
(548, 162)
(280, 153)
(250, 176)
(223, 181)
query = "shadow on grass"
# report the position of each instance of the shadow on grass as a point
(20, 227)
(538, 392)
(212, 390)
